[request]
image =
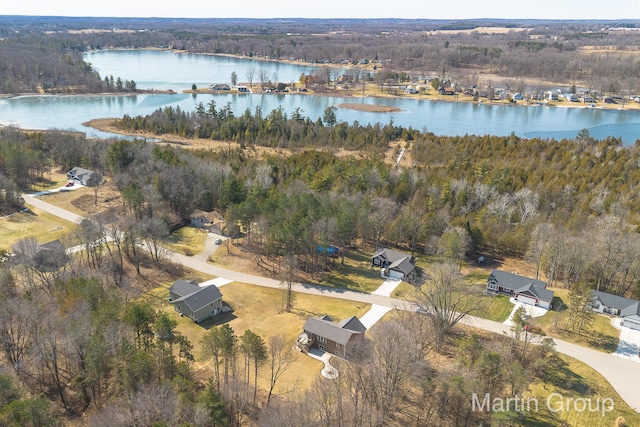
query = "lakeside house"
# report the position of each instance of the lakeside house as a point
(520, 288)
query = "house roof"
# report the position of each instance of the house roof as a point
(212, 216)
(184, 287)
(340, 333)
(520, 284)
(353, 324)
(54, 245)
(613, 301)
(632, 310)
(404, 265)
(201, 298)
(398, 260)
(537, 291)
(80, 173)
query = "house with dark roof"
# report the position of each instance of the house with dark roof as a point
(326, 335)
(626, 308)
(520, 288)
(194, 301)
(212, 221)
(84, 177)
(393, 264)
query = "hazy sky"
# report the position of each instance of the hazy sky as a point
(452, 9)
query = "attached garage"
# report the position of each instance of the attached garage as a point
(527, 299)
(632, 322)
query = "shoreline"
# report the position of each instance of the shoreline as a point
(351, 92)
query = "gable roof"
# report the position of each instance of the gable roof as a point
(397, 260)
(80, 173)
(201, 298)
(513, 281)
(340, 333)
(211, 216)
(353, 324)
(632, 310)
(520, 284)
(184, 287)
(537, 291)
(613, 301)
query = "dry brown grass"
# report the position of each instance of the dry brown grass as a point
(34, 223)
(83, 201)
(260, 310)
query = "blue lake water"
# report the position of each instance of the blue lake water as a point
(168, 70)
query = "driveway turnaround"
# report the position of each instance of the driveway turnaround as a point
(528, 308)
(328, 371)
(622, 374)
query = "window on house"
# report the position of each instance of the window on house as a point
(337, 346)
(321, 347)
(322, 339)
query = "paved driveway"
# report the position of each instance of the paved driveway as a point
(629, 344)
(531, 310)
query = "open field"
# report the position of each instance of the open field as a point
(86, 201)
(259, 309)
(187, 240)
(34, 223)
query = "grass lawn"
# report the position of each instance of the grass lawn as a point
(54, 180)
(65, 199)
(259, 309)
(187, 239)
(494, 307)
(35, 223)
(600, 336)
(355, 274)
(573, 380)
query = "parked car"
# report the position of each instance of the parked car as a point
(69, 184)
(218, 241)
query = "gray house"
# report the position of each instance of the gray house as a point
(84, 177)
(212, 221)
(326, 335)
(393, 264)
(522, 289)
(195, 302)
(626, 308)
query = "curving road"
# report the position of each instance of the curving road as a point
(622, 374)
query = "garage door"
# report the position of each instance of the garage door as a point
(632, 325)
(527, 300)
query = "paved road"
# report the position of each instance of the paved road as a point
(622, 374)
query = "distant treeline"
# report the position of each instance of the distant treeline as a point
(38, 53)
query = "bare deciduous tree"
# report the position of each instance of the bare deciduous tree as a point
(447, 299)
(280, 358)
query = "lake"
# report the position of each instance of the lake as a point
(163, 70)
